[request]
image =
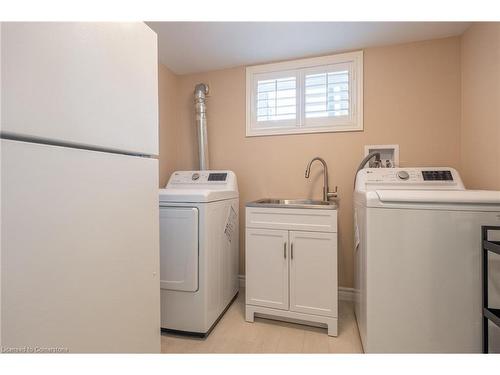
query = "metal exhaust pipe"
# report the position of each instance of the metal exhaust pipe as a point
(200, 94)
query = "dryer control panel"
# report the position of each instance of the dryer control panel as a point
(205, 179)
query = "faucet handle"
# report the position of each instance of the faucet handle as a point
(332, 194)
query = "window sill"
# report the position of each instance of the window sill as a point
(301, 130)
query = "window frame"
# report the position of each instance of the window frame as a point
(299, 68)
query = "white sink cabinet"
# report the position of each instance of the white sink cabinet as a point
(291, 265)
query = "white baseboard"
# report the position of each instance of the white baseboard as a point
(241, 278)
(345, 294)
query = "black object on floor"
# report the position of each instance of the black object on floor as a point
(489, 314)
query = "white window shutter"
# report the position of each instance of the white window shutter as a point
(276, 99)
(327, 94)
(306, 96)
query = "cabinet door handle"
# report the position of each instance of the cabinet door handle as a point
(291, 250)
(284, 250)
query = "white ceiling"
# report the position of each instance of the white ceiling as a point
(191, 47)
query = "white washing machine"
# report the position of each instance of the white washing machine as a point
(199, 249)
(418, 260)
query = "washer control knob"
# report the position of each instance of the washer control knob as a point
(403, 175)
(195, 176)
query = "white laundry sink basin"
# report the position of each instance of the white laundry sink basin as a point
(293, 203)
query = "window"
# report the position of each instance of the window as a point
(323, 94)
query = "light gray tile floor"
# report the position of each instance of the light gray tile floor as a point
(234, 335)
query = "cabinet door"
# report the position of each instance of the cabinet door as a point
(313, 273)
(267, 268)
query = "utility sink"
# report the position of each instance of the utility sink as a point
(293, 203)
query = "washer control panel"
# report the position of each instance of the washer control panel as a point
(409, 178)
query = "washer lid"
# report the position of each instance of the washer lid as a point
(489, 197)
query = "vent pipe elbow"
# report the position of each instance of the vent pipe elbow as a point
(200, 91)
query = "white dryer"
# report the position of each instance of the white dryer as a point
(418, 260)
(199, 249)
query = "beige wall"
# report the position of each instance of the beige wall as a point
(412, 98)
(167, 97)
(480, 128)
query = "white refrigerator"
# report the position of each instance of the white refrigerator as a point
(79, 180)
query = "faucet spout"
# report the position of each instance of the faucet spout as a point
(326, 190)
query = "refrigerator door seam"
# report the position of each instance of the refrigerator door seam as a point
(50, 142)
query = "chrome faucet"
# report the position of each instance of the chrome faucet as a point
(327, 194)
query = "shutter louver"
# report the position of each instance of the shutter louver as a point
(276, 99)
(327, 94)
